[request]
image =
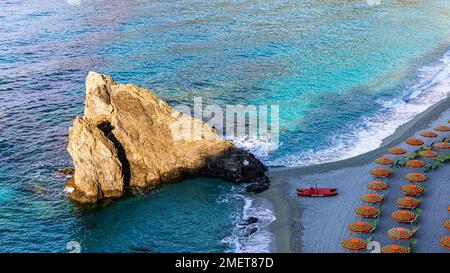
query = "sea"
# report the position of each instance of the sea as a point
(344, 74)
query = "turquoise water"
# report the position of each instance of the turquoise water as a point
(345, 75)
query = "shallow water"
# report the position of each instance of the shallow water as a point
(344, 73)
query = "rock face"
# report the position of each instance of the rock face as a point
(130, 138)
(99, 172)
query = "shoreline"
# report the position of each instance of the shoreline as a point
(288, 227)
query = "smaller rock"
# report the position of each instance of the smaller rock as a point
(38, 189)
(251, 231)
(66, 171)
(251, 220)
(142, 249)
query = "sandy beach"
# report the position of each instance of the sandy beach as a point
(320, 224)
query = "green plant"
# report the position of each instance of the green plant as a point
(374, 225)
(416, 152)
(417, 211)
(410, 244)
(437, 162)
(399, 163)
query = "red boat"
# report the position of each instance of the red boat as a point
(317, 192)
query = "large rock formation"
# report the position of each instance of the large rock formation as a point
(130, 138)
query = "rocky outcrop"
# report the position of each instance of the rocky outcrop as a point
(130, 138)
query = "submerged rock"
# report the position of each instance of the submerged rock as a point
(250, 231)
(130, 138)
(250, 220)
(66, 171)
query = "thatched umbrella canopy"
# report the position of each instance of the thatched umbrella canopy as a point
(414, 141)
(354, 244)
(442, 145)
(445, 242)
(442, 128)
(412, 189)
(377, 185)
(360, 227)
(416, 177)
(380, 172)
(429, 134)
(407, 202)
(415, 163)
(447, 224)
(394, 249)
(367, 211)
(428, 153)
(400, 233)
(397, 151)
(371, 198)
(384, 161)
(403, 216)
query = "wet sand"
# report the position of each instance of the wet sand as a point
(320, 224)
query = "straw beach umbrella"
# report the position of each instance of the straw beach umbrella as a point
(367, 211)
(428, 153)
(400, 233)
(412, 189)
(429, 134)
(384, 161)
(414, 141)
(377, 185)
(397, 151)
(407, 202)
(360, 227)
(442, 145)
(445, 242)
(372, 198)
(414, 163)
(380, 172)
(442, 128)
(403, 216)
(394, 249)
(416, 177)
(354, 244)
(447, 224)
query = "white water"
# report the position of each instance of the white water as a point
(260, 241)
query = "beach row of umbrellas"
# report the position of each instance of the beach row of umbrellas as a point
(416, 190)
(445, 241)
(412, 191)
(406, 204)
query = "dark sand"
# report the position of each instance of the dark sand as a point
(320, 224)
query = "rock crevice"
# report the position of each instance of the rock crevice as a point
(130, 138)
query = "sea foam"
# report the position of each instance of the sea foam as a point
(240, 240)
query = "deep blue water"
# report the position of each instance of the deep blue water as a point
(345, 75)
